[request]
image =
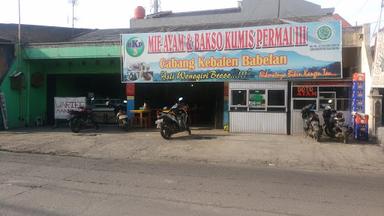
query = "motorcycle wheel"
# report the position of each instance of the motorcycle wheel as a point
(317, 133)
(345, 137)
(329, 133)
(123, 124)
(165, 132)
(316, 137)
(75, 125)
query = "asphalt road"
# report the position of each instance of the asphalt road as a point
(55, 185)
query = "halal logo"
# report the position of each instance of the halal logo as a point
(135, 47)
(324, 33)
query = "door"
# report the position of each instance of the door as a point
(302, 95)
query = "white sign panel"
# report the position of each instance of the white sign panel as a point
(378, 64)
(3, 109)
(64, 104)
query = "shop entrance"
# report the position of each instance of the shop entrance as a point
(319, 95)
(205, 100)
(101, 86)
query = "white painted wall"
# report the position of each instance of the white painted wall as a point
(258, 122)
(366, 67)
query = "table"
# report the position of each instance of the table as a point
(140, 114)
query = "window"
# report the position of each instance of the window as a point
(327, 99)
(239, 97)
(276, 98)
(299, 104)
(238, 100)
(339, 95)
(343, 104)
(343, 95)
(258, 100)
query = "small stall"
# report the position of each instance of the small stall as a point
(258, 107)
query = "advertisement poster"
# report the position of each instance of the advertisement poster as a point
(64, 104)
(299, 51)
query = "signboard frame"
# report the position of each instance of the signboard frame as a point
(297, 51)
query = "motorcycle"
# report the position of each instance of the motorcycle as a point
(120, 111)
(334, 124)
(173, 121)
(312, 126)
(81, 119)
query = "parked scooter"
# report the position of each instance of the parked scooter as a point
(312, 126)
(81, 119)
(334, 124)
(173, 121)
(120, 110)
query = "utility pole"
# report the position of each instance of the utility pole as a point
(155, 6)
(18, 64)
(18, 37)
(278, 9)
(381, 12)
(73, 3)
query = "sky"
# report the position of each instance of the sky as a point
(117, 13)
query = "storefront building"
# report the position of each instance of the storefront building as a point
(246, 80)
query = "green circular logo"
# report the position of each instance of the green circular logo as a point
(324, 33)
(135, 47)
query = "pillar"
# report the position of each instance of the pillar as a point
(130, 92)
(225, 110)
(376, 108)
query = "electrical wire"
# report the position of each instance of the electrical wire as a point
(361, 9)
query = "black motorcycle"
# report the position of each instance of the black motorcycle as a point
(312, 126)
(81, 119)
(334, 124)
(174, 120)
(120, 111)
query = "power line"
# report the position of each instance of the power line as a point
(337, 3)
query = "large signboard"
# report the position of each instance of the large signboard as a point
(64, 104)
(378, 64)
(300, 51)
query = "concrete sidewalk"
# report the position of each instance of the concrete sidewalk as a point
(204, 146)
